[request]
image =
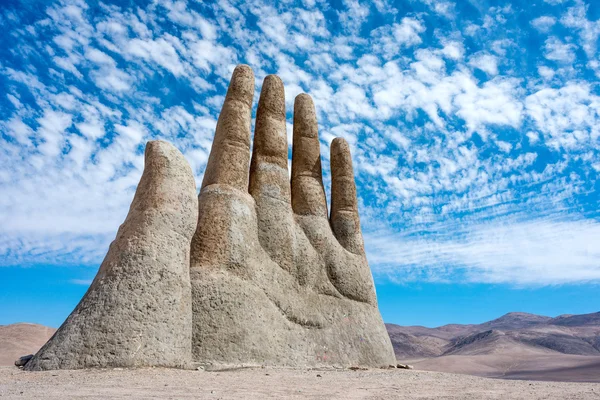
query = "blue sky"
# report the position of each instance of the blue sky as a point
(474, 127)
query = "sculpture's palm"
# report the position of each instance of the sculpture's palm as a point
(274, 280)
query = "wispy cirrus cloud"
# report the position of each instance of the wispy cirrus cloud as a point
(83, 282)
(475, 146)
(526, 253)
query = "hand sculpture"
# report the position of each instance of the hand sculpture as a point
(274, 280)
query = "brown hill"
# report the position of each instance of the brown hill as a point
(17, 340)
(407, 345)
(514, 320)
(516, 345)
(577, 320)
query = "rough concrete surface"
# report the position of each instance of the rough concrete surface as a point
(137, 312)
(272, 282)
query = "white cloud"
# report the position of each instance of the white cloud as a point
(407, 32)
(354, 15)
(391, 39)
(557, 50)
(84, 282)
(454, 50)
(536, 252)
(588, 31)
(111, 79)
(19, 130)
(568, 117)
(431, 90)
(441, 7)
(51, 131)
(179, 13)
(485, 62)
(533, 137)
(436, 144)
(494, 103)
(14, 101)
(546, 72)
(159, 51)
(544, 23)
(207, 55)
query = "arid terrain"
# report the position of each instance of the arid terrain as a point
(496, 354)
(266, 383)
(514, 346)
(17, 340)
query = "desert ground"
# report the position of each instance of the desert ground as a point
(267, 383)
(260, 383)
(551, 367)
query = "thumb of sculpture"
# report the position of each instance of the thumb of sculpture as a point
(137, 312)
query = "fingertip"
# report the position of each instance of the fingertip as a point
(155, 148)
(303, 101)
(243, 70)
(305, 118)
(241, 85)
(230, 152)
(308, 195)
(340, 145)
(344, 202)
(273, 79)
(303, 97)
(341, 159)
(150, 147)
(272, 96)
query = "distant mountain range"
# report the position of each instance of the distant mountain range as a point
(516, 345)
(566, 334)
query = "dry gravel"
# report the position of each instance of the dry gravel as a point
(264, 383)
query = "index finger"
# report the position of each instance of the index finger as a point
(229, 158)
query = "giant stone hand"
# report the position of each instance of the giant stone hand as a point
(275, 280)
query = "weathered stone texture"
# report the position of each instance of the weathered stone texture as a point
(268, 278)
(274, 280)
(137, 312)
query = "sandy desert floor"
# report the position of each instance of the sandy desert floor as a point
(265, 383)
(550, 367)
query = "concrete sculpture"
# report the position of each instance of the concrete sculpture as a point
(275, 280)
